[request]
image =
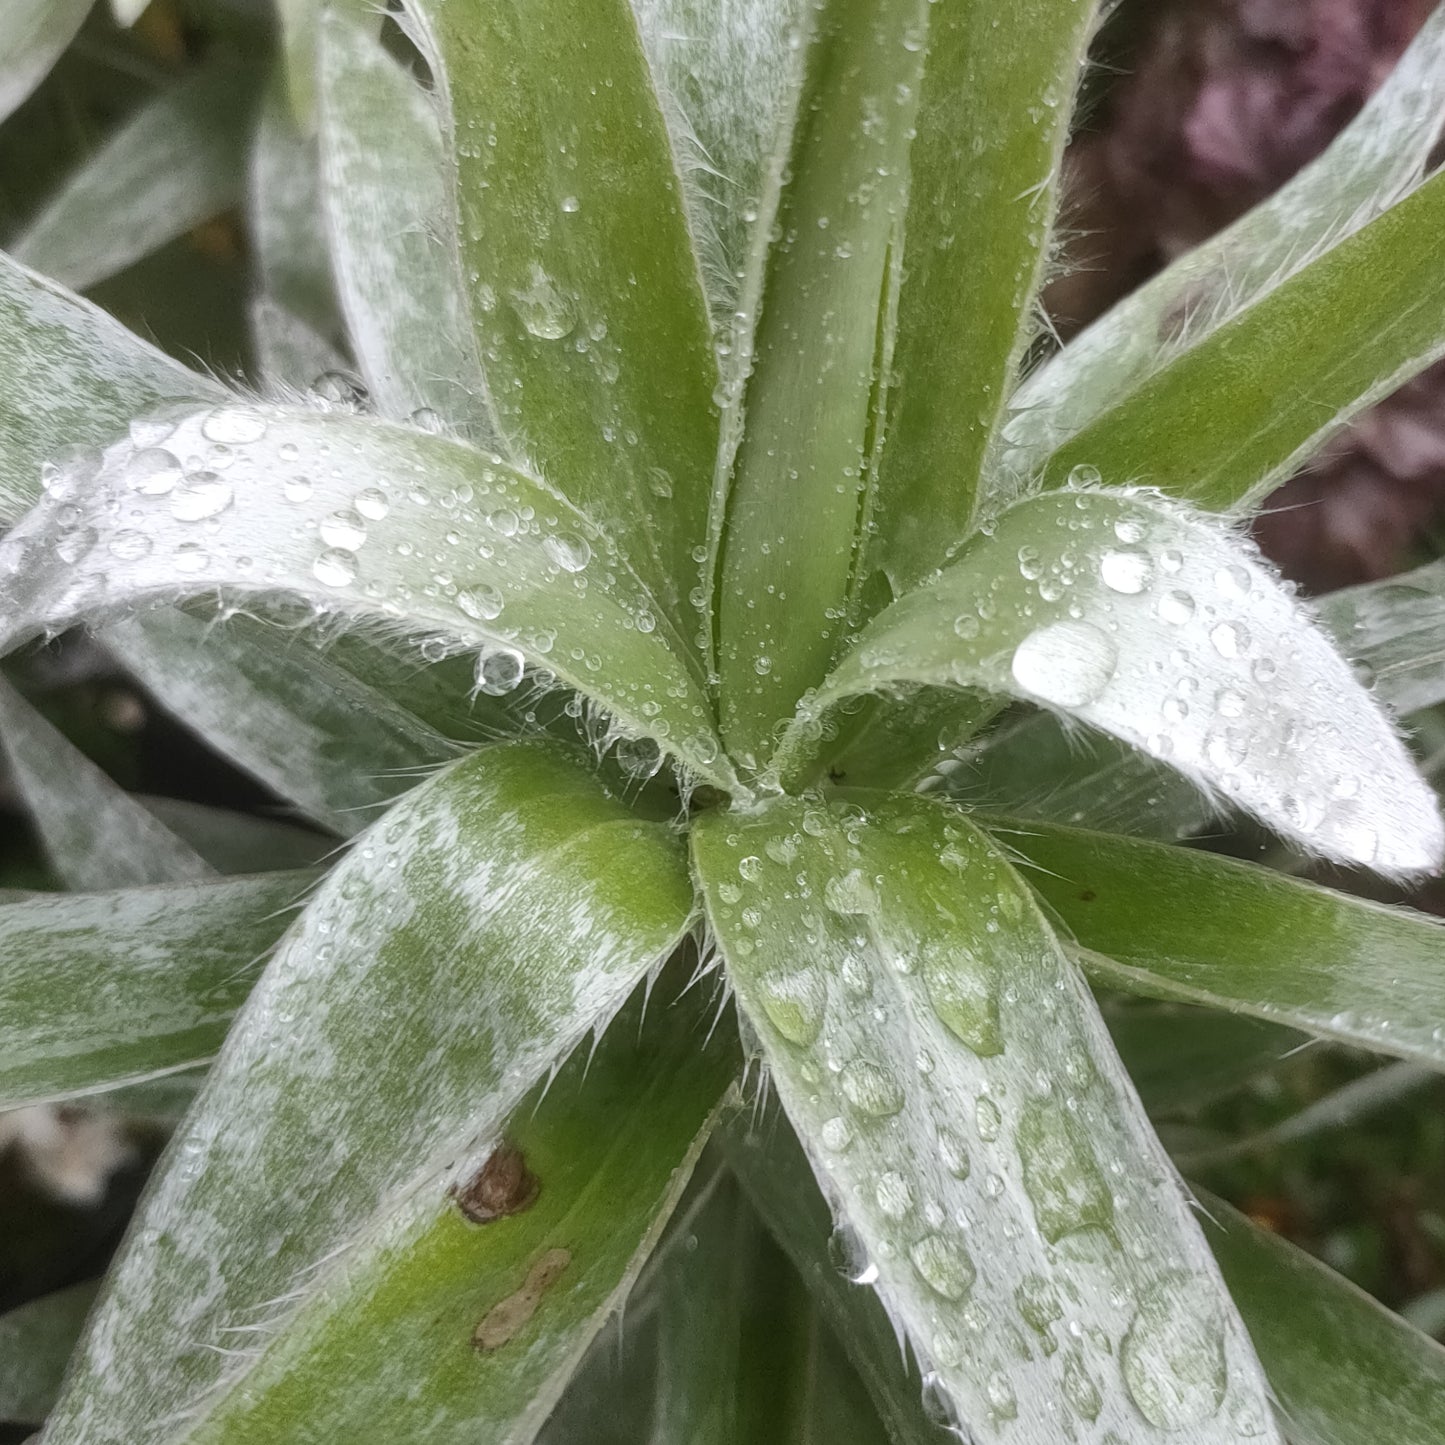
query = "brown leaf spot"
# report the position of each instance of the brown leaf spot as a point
(508, 1316)
(502, 1186)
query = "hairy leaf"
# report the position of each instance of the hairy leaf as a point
(810, 399)
(1217, 426)
(1345, 1369)
(100, 989)
(1373, 163)
(1152, 624)
(70, 376)
(177, 162)
(1193, 926)
(35, 1341)
(451, 960)
(36, 32)
(390, 210)
(586, 294)
(948, 1074)
(365, 520)
(290, 716)
(94, 834)
(993, 114)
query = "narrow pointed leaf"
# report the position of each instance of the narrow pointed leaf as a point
(586, 293)
(364, 520)
(958, 1097)
(1345, 1369)
(1161, 628)
(463, 1331)
(35, 1342)
(93, 832)
(793, 508)
(1218, 427)
(391, 214)
(455, 956)
(36, 32)
(178, 161)
(290, 716)
(1374, 162)
(70, 376)
(1204, 929)
(994, 109)
(99, 989)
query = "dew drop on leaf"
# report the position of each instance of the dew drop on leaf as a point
(871, 1089)
(987, 1119)
(234, 426)
(371, 503)
(894, 1195)
(850, 893)
(944, 1265)
(343, 528)
(569, 551)
(151, 472)
(499, 672)
(795, 1003)
(962, 989)
(837, 1133)
(1176, 607)
(1080, 1390)
(1065, 663)
(1001, 1396)
(335, 567)
(1173, 1355)
(1061, 1175)
(1126, 572)
(481, 603)
(953, 1154)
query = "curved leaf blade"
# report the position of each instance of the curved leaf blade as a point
(98, 990)
(586, 294)
(1150, 623)
(1191, 925)
(36, 1339)
(37, 32)
(70, 376)
(1346, 1370)
(365, 520)
(455, 956)
(955, 1088)
(180, 160)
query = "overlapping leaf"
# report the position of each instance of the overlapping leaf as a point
(36, 32)
(945, 1068)
(35, 1341)
(452, 960)
(1149, 623)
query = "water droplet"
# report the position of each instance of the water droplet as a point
(1066, 663)
(1001, 1396)
(871, 1089)
(1229, 639)
(1085, 476)
(837, 1133)
(953, 1154)
(569, 551)
(851, 893)
(297, 489)
(795, 1003)
(850, 1257)
(499, 672)
(1038, 1303)
(894, 1195)
(234, 426)
(966, 626)
(543, 310)
(343, 528)
(987, 1119)
(1232, 581)
(372, 504)
(1061, 1175)
(1173, 1356)
(151, 472)
(1080, 1390)
(335, 567)
(480, 602)
(130, 546)
(571, 205)
(190, 558)
(1130, 530)
(427, 420)
(200, 495)
(963, 990)
(1126, 572)
(944, 1265)
(1176, 608)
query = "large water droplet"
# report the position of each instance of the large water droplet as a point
(987, 1119)
(1173, 1356)
(234, 426)
(1080, 1390)
(1061, 1175)
(499, 672)
(335, 568)
(569, 551)
(944, 1265)
(850, 893)
(871, 1089)
(1001, 1396)
(963, 990)
(371, 503)
(152, 472)
(1038, 1303)
(1066, 663)
(953, 1154)
(795, 1003)
(481, 603)
(1126, 572)
(894, 1195)
(837, 1133)
(343, 528)
(545, 312)
(200, 495)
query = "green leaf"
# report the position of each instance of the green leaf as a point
(35, 1341)
(994, 108)
(453, 959)
(390, 212)
(585, 289)
(1182, 924)
(474, 1329)
(413, 531)
(1392, 628)
(234, 842)
(953, 1084)
(36, 32)
(1217, 426)
(101, 989)
(289, 715)
(178, 161)
(810, 402)
(1160, 627)
(70, 376)
(773, 1169)
(94, 834)
(1379, 158)
(1345, 1369)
